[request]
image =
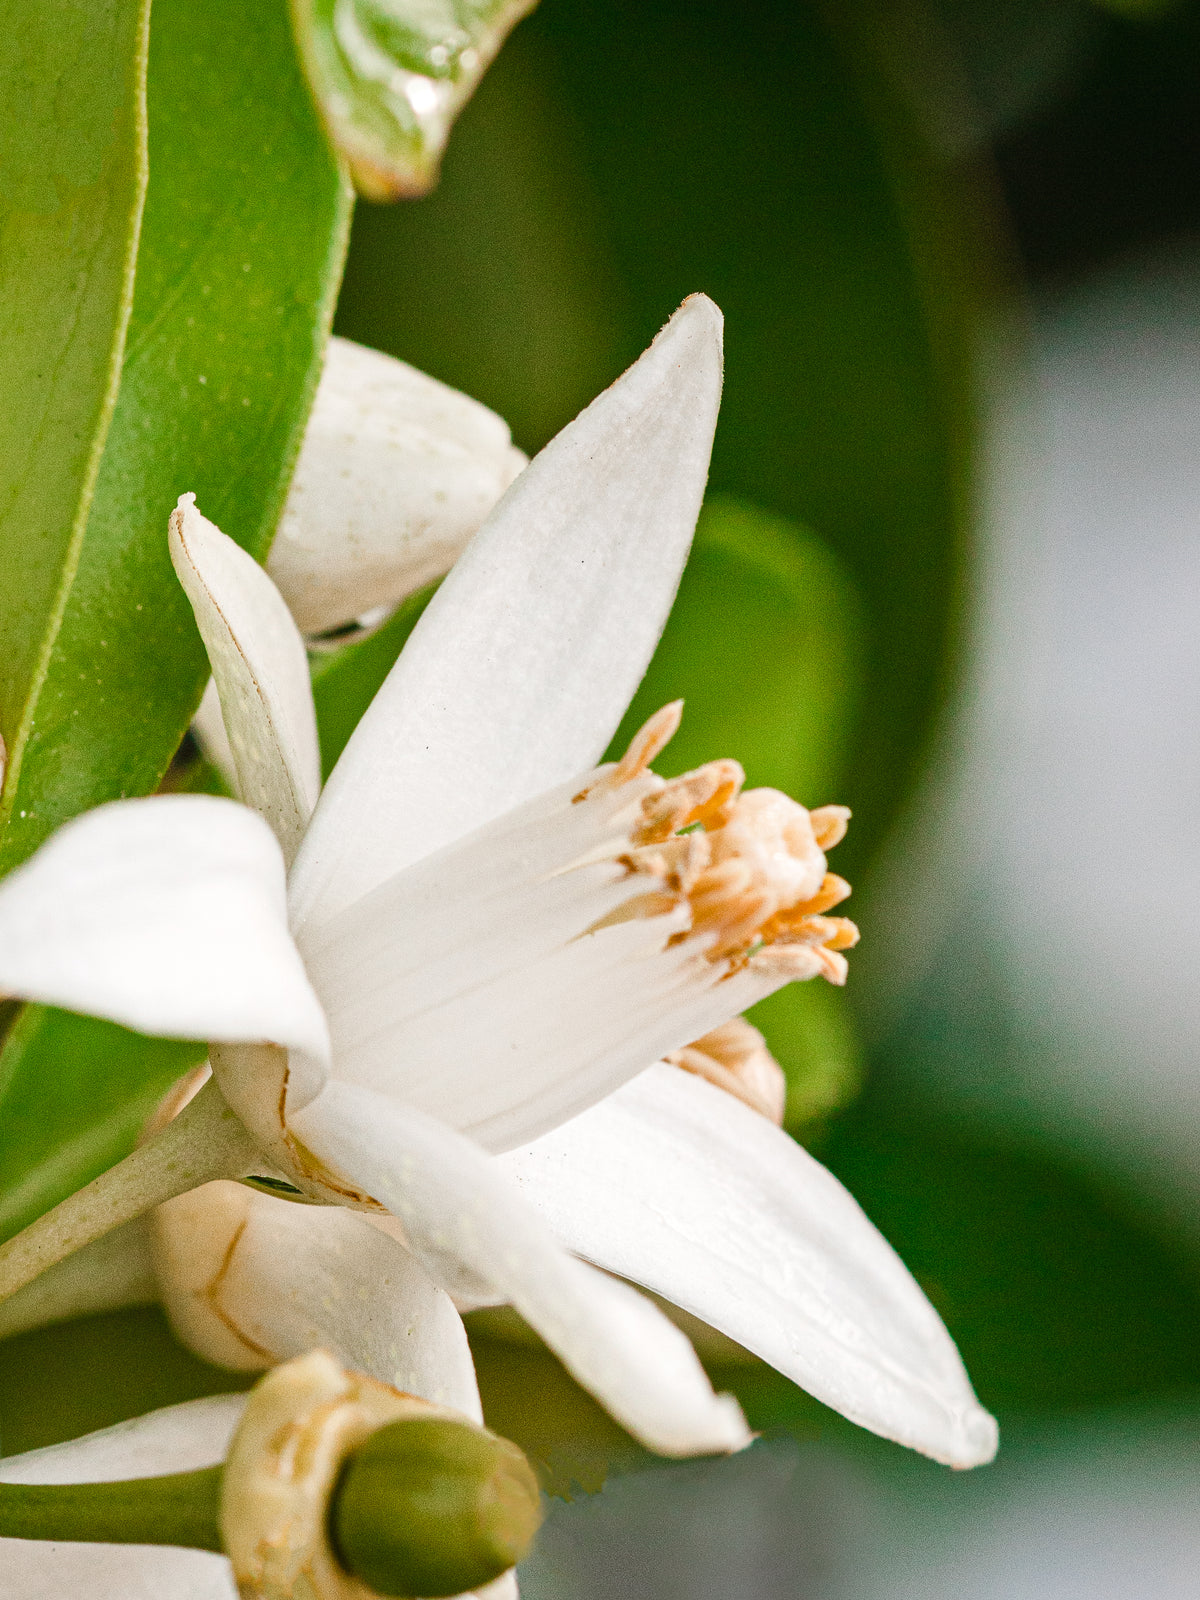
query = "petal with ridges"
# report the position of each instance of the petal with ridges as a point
(260, 669)
(167, 915)
(682, 1188)
(521, 667)
(473, 1233)
(396, 472)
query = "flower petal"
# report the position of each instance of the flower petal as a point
(31, 1569)
(396, 473)
(260, 669)
(249, 1279)
(167, 915)
(521, 667)
(682, 1188)
(475, 1236)
(177, 1439)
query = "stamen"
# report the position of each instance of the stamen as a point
(735, 1058)
(704, 797)
(651, 739)
(829, 824)
(751, 865)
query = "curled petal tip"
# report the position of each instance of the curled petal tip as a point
(979, 1439)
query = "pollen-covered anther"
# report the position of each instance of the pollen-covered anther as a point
(704, 798)
(766, 884)
(829, 824)
(735, 1058)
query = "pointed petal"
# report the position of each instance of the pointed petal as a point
(167, 915)
(249, 1279)
(520, 669)
(177, 1439)
(680, 1187)
(474, 1235)
(260, 669)
(396, 472)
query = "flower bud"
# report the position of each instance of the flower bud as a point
(395, 474)
(430, 1506)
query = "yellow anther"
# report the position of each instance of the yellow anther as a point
(829, 824)
(735, 1058)
(649, 741)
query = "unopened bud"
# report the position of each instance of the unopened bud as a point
(432, 1507)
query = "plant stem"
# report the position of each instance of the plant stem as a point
(205, 1141)
(181, 1509)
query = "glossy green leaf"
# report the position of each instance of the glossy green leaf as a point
(237, 271)
(390, 76)
(240, 254)
(764, 645)
(72, 183)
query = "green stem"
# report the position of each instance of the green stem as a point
(180, 1509)
(205, 1141)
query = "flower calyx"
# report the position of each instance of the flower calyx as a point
(338, 1487)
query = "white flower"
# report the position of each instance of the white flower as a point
(492, 938)
(395, 474)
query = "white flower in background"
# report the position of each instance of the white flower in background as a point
(492, 938)
(395, 474)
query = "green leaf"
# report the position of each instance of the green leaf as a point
(58, 1383)
(237, 272)
(74, 1093)
(241, 249)
(390, 76)
(72, 183)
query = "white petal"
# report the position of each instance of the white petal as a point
(522, 666)
(680, 1187)
(31, 1569)
(260, 669)
(208, 728)
(395, 474)
(473, 1233)
(167, 915)
(249, 1279)
(177, 1439)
